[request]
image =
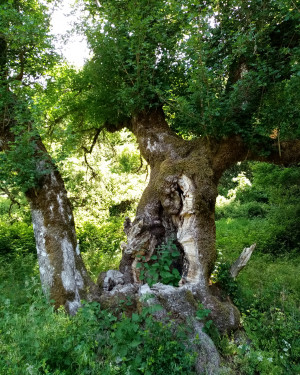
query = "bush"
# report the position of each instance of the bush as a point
(106, 237)
(128, 161)
(273, 195)
(16, 238)
(100, 245)
(162, 269)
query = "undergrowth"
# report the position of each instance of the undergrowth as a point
(35, 340)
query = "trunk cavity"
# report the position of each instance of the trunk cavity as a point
(178, 203)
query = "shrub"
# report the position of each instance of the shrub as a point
(106, 237)
(162, 269)
(16, 238)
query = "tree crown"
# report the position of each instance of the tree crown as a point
(217, 67)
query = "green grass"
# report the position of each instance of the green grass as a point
(267, 293)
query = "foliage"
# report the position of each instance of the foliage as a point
(218, 68)
(270, 319)
(162, 269)
(100, 245)
(266, 291)
(26, 54)
(16, 238)
(25, 27)
(35, 340)
(222, 276)
(273, 194)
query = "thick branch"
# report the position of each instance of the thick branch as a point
(285, 153)
(234, 149)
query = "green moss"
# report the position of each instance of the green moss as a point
(191, 299)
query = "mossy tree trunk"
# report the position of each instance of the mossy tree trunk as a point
(179, 203)
(63, 274)
(62, 271)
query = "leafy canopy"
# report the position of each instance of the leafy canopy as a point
(218, 66)
(26, 54)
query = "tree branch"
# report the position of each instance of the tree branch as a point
(89, 151)
(11, 197)
(233, 149)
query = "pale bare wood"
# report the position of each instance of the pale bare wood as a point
(242, 261)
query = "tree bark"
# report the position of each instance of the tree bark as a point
(63, 275)
(179, 203)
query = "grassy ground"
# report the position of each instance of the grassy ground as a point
(34, 340)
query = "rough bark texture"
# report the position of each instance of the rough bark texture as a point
(179, 203)
(63, 274)
(178, 304)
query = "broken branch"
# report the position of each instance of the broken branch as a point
(242, 261)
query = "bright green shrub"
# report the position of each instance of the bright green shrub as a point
(162, 269)
(105, 237)
(128, 161)
(100, 245)
(16, 238)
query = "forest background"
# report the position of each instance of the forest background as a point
(257, 203)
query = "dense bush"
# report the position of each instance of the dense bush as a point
(16, 238)
(100, 245)
(273, 194)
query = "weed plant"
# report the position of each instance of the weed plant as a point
(162, 269)
(35, 340)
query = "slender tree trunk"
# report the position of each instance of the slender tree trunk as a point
(63, 274)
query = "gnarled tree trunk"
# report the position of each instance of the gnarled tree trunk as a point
(178, 203)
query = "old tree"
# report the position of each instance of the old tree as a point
(201, 84)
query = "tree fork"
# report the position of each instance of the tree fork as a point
(179, 203)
